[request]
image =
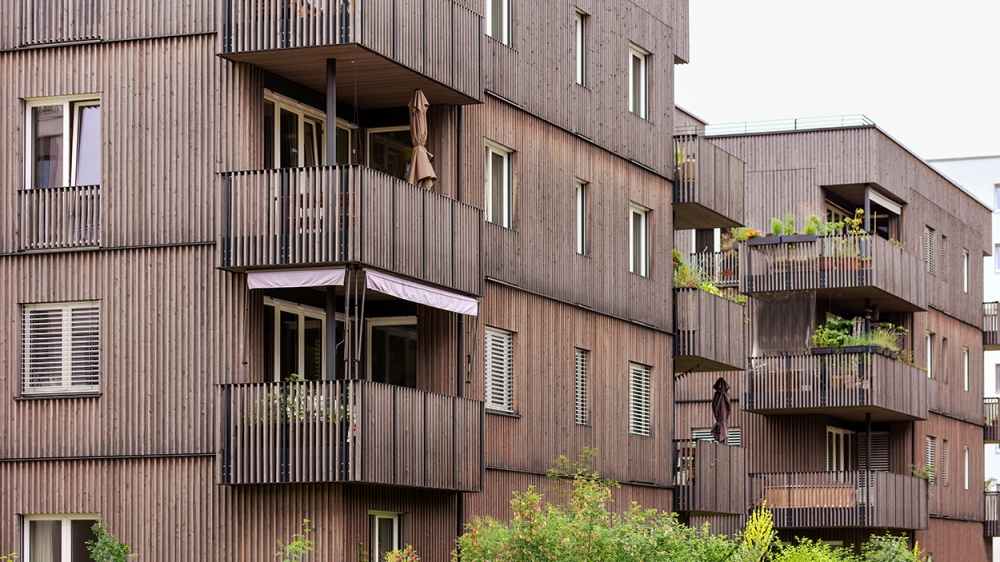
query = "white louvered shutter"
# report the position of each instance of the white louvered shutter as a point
(880, 451)
(929, 455)
(581, 386)
(944, 462)
(60, 348)
(705, 434)
(929, 249)
(638, 393)
(499, 370)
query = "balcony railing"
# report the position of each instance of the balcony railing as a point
(708, 185)
(991, 520)
(57, 21)
(315, 216)
(991, 420)
(842, 499)
(709, 334)
(350, 431)
(842, 383)
(991, 340)
(836, 262)
(709, 477)
(721, 268)
(59, 217)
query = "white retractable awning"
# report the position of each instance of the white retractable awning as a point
(295, 278)
(420, 293)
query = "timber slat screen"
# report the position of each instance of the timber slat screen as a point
(59, 217)
(991, 342)
(706, 176)
(991, 521)
(791, 384)
(834, 262)
(991, 420)
(709, 477)
(710, 331)
(842, 499)
(350, 431)
(58, 21)
(722, 268)
(322, 215)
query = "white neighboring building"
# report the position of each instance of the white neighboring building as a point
(980, 175)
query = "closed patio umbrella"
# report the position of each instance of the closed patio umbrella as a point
(720, 409)
(421, 172)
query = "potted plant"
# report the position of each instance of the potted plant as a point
(830, 336)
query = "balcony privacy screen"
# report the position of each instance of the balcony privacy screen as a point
(783, 323)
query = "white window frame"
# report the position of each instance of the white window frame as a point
(638, 101)
(66, 542)
(505, 24)
(350, 129)
(394, 517)
(944, 462)
(996, 258)
(642, 213)
(71, 117)
(930, 355)
(965, 270)
(500, 383)
(929, 249)
(966, 458)
(581, 47)
(639, 399)
(844, 447)
(383, 321)
(931, 456)
(581, 216)
(302, 310)
(965, 368)
(581, 364)
(305, 112)
(30, 386)
(493, 148)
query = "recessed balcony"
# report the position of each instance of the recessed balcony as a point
(991, 339)
(709, 333)
(991, 420)
(708, 185)
(709, 477)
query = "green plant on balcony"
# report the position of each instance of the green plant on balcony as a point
(924, 473)
(886, 336)
(833, 333)
(743, 233)
(855, 224)
(988, 485)
(687, 276)
(777, 227)
(292, 402)
(814, 225)
(897, 243)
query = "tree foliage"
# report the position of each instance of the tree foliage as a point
(106, 548)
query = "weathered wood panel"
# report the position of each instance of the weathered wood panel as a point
(710, 333)
(708, 185)
(59, 217)
(947, 389)
(948, 494)
(709, 477)
(953, 540)
(721, 268)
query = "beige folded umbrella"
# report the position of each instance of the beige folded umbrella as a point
(421, 171)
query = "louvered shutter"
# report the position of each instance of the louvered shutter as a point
(705, 434)
(944, 462)
(60, 348)
(638, 393)
(499, 369)
(929, 249)
(581, 386)
(880, 451)
(929, 455)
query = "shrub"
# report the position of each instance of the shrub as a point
(777, 227)
(106, 548)
(300, 545)
(887, 548)
(806, 550)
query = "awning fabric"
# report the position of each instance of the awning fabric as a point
(420, 293)
(295, 278)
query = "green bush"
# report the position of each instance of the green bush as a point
(806, 550)
(106, 548)
(833, 333)
(887, 548)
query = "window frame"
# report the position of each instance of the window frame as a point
(966, 459)
(582, 192)
(66, 530)
(638, 107)
(302, 311)
(493, 148)
(397, 534)
(845, 447)
(930, 355)
(380, 321)
(581, 47)
(70, 135)
(929, 249)
(305, 112)
(640, 413)
(503, 380)
(965, 368)
(965, 270)
(30, 388)
(581, 387)
(944, 462)
(930, 457)
(635, 210)
(505, 24)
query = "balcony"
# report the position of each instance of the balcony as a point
(721, 268)
(991, 341)
(709, 477)
(350, 431)
(349, 214)
(847, 268)
(845, 385)
(991, 521)
(709, 334)
(991, 420)
(708, 185)
(59, 217)
(384, 49)
(842, 499)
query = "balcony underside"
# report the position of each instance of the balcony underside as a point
(692, 216)
(364, 79)
(852, 299)
(696, 364)
(848, 413)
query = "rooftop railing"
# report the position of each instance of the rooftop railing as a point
(793, 124)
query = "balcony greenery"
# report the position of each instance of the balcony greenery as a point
(688, 276)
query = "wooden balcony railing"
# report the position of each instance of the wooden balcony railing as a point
(721, 268)
(708, 185)
(59, 21)
(709, 477)
(991, 520)
(709, 333)
(843, 382)
(836, 262)
(842, 499)
(991, 340)
(991, 420)
(59, 217)
(350, 431)
(324, 215)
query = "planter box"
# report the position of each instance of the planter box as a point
(796, 238)
(823, 350)
(763, 241)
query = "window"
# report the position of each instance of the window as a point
(293, 133)
(705, 434)
(499, 370)
(58, 538)
(965, 368)
(581, 48)
(638, 228)
(638, 399)
(929, 249)
(390, 150)
(498, 188)
(930, 355)
(838, 449)
(392, 350)
(581, 217)
(581, 386)
(965, 270)
(966, 471)
(929, 457)
(498, 20)
(944, 462)
(385, 533)
(60, 348)
(943, 258)
(638, 102)
(996, 258)
(295, 341)
(63, 145)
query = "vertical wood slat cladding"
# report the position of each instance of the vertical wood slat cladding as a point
(722, 268)
(350, 431)
(546, 334)
(709, 477)
(535, 71)
(539, 252)
(301, 216)
(709, 334)
(682, 43)
(157, 154)
(952, 540)
(953, 500)
(50, 21)
(946, 389)
(59, 217)
(708, 185)
(836, 383)
(170, 323)
(842, 499)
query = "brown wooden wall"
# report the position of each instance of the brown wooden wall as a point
(546, 333)
(537, 71)
(954, 540)
(539, 252)
(946, 389)
(953, 500)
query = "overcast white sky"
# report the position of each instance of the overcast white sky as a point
(928, 73)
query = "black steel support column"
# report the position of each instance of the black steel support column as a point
(331, 112)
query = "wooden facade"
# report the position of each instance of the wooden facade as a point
(709, 477)
(710, 332)
(708, 185)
